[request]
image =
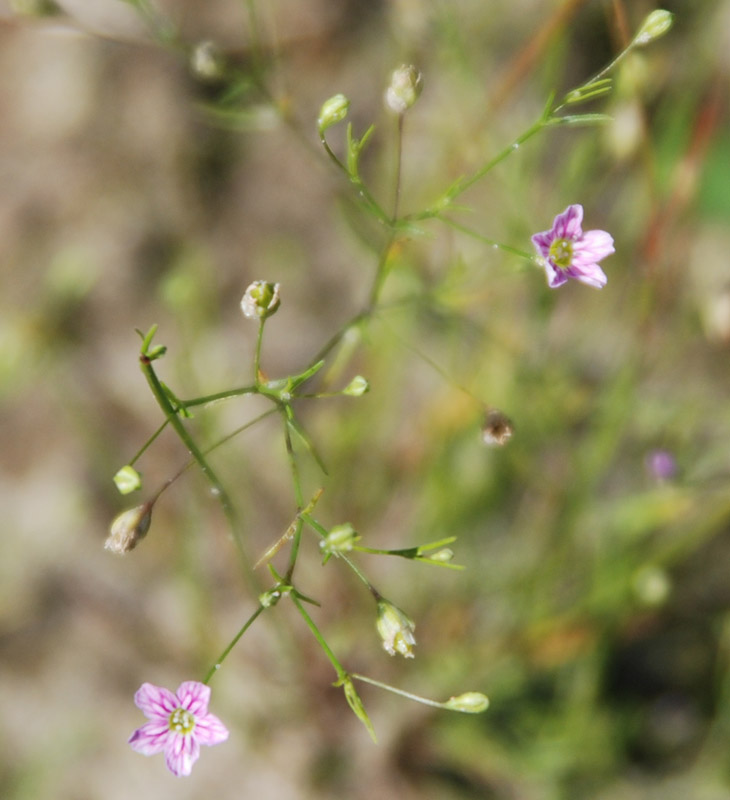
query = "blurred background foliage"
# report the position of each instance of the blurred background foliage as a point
(594, 610)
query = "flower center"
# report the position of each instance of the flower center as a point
(182, 721)
(561, 253)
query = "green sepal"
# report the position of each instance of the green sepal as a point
(355, 703)
(581, 119)
(157, 351)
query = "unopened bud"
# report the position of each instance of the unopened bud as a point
(406, 84)
(469, 703)
(128, 528)
(339, 539)
(333, 111)
(269, 598)
(260, 300)
(206, 61)
(655, 25)
(661, 465)
(127, 480)
(497, 429)
(357, 387)
(396, 629)
(443, 556)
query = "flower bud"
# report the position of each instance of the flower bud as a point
(661, 465)
(269, 598)
(406, 84)
(655, 25)
(128, 528)
(333, 111)
(469, 703)
(340, 539)
(652, 586)
(260, 300)
(396, 629)
(206, 61)
(442, 556)
(497, 429)
(127, 480)
(357, 387)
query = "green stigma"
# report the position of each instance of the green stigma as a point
(561, 253)
(182, 721)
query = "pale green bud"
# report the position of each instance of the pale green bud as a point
(652, 586)
(357, 387)
(269, 598)
(406, 84)
(333, 111)
(396, 629)
(206, 61)
(655, 25)
(443, 556)
(128, 528)
(260, 300)
(339, 539)
(127, 480)
(469, 703)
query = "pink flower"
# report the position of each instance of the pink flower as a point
(178, 724)
(567, 252)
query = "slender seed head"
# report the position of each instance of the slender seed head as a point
(128, 528)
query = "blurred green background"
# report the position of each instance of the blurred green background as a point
(594, 610)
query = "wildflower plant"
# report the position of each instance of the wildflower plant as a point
(179, 723)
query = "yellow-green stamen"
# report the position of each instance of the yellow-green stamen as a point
(561, 253)
(182, 721)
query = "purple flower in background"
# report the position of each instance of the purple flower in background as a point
(178, 724)
(567, 252)
(661, 465)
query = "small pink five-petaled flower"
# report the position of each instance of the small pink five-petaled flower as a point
(178, 724)
(567, 252)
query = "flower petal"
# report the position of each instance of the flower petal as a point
(181, 753)
(590, 274)
(194, 697)
(594, 246)
(542, 242)
(155, 702)
(150, 739)
(209, 730)
(555, 277)
(568, 224)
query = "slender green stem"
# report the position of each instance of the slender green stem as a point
(424, 700)
(467, 183)
(357, 182)
(339, 669)
(380, 275)
(299, 497)
(398, 166)
(257, 353)
(478, 236)
(222, 657)
(336, 338)
(218, 488)
(148, 443)
(434, 365)
(212, 398)
(360, 574)
(599, 75)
